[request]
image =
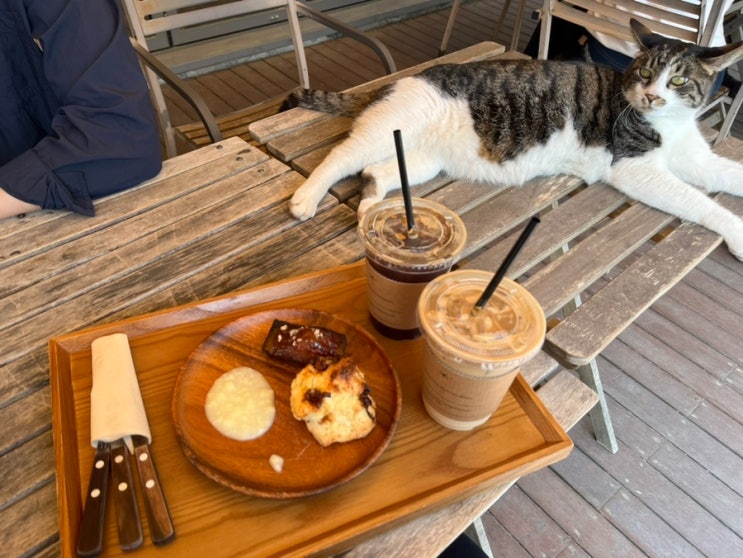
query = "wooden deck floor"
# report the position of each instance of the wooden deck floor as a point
(674, 380)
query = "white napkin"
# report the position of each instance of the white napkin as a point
(116, 408)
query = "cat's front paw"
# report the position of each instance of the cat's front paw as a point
(302, 205)
(735, 243)
(736, 251)
(734, 240)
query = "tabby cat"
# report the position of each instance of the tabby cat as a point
(507, 121)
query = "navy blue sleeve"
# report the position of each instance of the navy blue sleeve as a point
(102, 136)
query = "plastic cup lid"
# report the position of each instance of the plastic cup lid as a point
(510, 328)
(436, 241)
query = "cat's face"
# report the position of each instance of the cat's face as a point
(668, 77)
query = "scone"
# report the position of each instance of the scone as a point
(335, 403)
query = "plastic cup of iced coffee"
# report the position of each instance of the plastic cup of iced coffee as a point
(401, 261)
(472, 357)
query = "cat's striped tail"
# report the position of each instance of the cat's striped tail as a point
(347, 104)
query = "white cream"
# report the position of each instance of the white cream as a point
(240, 404)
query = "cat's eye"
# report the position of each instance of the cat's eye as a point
(679, 80)
(645, 73)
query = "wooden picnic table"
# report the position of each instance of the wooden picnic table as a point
(208, 235)
(213, 223)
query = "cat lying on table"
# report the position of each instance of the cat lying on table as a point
(507, 121)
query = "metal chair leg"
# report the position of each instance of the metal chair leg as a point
(476, 532)
(449, 26)
(600, 419)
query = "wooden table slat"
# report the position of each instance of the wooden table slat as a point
(114, 255)
(579, 338)
(19, 237)
(496, 216)
(236, 123)
(305, 164)
(103, 254)
(559, 282)
(318, 134)
(562, 225)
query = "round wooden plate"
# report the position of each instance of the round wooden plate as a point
(309, 468)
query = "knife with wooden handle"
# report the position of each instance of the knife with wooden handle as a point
(158, 516)
(118, 416)
(127, 510)
(90, 541)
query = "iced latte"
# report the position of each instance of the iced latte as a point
(471, 358)
(400, 262)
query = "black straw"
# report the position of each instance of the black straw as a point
(404, 180)
(495, 281)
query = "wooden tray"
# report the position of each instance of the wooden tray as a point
(424, 467)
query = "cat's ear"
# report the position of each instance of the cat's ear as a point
(643, 35)
(719, 58)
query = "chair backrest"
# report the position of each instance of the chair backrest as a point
(150, 17)
(693, 21)
(733, 23)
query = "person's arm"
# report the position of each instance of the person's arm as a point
(102, 135)
(10, 206)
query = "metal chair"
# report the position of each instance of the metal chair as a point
(148, 18)
(501, 19)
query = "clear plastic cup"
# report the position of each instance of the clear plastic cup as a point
(471, 360)
(400, 264)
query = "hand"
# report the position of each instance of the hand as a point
(10, 206)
